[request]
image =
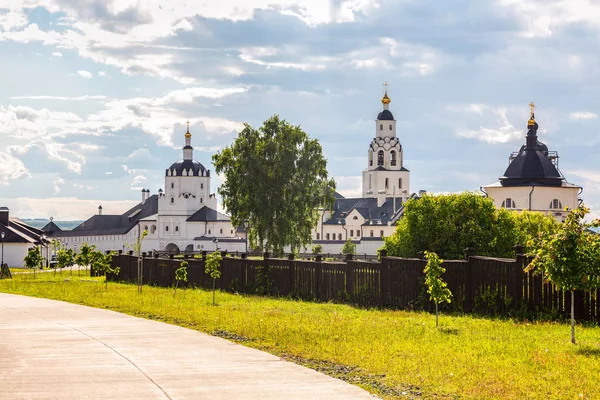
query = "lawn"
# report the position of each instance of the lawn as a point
(390, 353)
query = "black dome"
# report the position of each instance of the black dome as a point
(532, 166)
(187, 165)
(385, 115)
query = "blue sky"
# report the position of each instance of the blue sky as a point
(95, 93)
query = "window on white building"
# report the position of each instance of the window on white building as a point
(393, 158)
(387, 183)
(209, 231)
(380, 127)
(509, 203)
(380, 157)
(355, 217)
(153, 229)
(556, 205)
(399, 183)
(351, 233)
(339, 236)
(381, 233)
(172, 200)
(357, 233)
(318, 236)
(167, 228)
(202, 186)
(176, 229)
(172, 185)
(390, 127)
(371, 233)
(327, 236)
(221, 231)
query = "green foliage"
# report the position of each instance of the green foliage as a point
(436, 287)
(570, 257)
(180, 275)
(34, 258)
(103, 263)
(181, 272)
(349, 247)
(65, 257)
(448, 224)
(276, 178)
(317, 249)
(85, 255)
(211, 267)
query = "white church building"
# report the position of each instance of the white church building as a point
(366, 220)
(182, 217)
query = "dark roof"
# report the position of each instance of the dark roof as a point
(532, 165)
(338, 196)
(19, 232)
(367, 208)
(114, 224)
(52, 227)
(385, 115)
(382, 168)
(194, 167)
(207, 214)
(221, 240)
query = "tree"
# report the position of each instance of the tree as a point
(84, 257)
(33, 259)
(349, 247)
(569, 258)
(180, 275)
(436, 287)
(447, 224)
(276, 178)
(317, 249)
(103, 262)
(211, 267)
(64, 258)
(137, 249)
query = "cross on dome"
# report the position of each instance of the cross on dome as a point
(531, 121)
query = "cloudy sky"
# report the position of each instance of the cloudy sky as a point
(94, 94)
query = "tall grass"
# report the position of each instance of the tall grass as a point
(397, 351)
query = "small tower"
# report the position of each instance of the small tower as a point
(188, 150)
(385, 175)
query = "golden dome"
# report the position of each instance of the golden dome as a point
(187, 133)
(385, 99)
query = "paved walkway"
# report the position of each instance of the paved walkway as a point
(55, 350)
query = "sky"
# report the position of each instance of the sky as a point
(95, 94)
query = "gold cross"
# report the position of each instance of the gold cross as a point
(532, 107)
(385, 86)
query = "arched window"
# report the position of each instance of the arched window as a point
(202, 186)
(555, 205)
(172, 200)
(390, 127)
(509, 203)
(167, 228)
(399, 183)
(393, 158)
(153, 229)
(380, 127)
(172, 185)
(176, 229)
(387, 183)
(370, 159)
(146, 227)
(355, 217)
(380, 157)
(201, 200)
(339, 236)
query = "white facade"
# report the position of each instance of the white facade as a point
(14, 253)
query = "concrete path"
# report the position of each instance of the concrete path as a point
(56, 350)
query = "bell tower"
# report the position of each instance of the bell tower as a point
(385, 175)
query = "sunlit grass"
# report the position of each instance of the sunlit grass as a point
(467, 358)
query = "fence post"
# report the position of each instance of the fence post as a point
(318, 277)
(266, 272)
(383, 277)
(469, 252)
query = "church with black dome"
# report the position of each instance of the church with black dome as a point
(532, 180)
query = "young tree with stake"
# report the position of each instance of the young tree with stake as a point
(436, 287)
(211, 267)
(180, 275)
(569, 258)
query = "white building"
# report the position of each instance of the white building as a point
(533, 181)
(16, 238)
(182, 217)
(385, 186)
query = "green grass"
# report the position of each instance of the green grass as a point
(387, 352)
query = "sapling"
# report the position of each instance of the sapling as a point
(180, 275)
(33, 259)
(436, 287)
(211, 267)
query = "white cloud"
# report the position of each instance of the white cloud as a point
(506, 132)
(85, 74)
(583, 115)
(42, 97)
(470, 108)
(57, 182)
(540, 18)
(13, 19)
(101, 73)
(57, 54)
(11, 168)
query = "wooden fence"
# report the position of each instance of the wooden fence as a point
(492, 286)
